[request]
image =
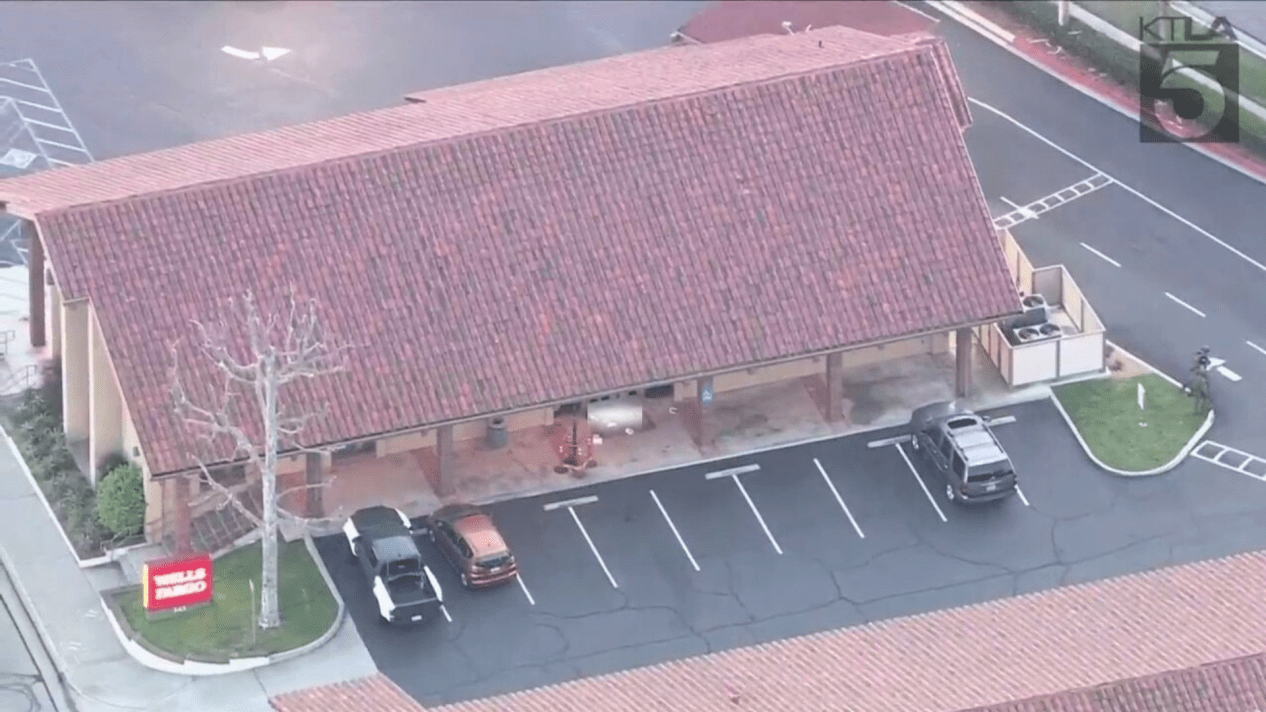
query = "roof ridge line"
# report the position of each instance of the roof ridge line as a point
(912, 48)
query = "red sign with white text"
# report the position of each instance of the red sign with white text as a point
(175, 583)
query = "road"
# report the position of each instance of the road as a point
(1206, 251)
(821, 536)
(22, 686)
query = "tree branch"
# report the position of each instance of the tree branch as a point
(229, 495)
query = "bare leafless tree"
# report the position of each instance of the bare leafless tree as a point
(258, 355)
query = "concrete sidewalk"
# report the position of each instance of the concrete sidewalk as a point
(97, 673)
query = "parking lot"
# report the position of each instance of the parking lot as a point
(820, 536)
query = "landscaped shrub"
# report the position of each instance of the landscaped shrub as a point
(37, 431)
(121, 500)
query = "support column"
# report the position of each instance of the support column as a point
(444, 460)
(181, 516)
(963, 350)
(75, 367)
(36, 284)
(707, 427)
(315, 476)
(834, 387)
(54, 317)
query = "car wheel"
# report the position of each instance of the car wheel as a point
(465, 581)
(949, 492)
(914, 443)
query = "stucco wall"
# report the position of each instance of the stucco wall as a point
(75, 393)
(106, 408)
(462, 431)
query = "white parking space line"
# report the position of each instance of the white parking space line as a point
(733, 473)
(1205, 233)
(1019, 492)
(675, 532)
(1101, 256)
(915, 472)
(24, 86)
(1028, 214)
(839, 499)
(576, 517)
(1221, 450)
(888, 441)
(444, 610)
(1031, 211)
(571, 505)
(1256, 348)
(519, 577)
(1180, 302)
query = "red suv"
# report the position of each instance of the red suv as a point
(470, 541)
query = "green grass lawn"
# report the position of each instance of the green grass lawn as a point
(1106, 412)
(222, 629)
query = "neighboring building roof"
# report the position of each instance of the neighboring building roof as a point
(375, 693)
(1182, 639)
(732, 19)
(549, 235)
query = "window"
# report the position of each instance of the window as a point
(373, 560)
(959, 467)
(947, 445)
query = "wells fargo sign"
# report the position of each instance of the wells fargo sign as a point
(175, 583)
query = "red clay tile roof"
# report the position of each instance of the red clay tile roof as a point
(1053, 646)
(550, 235)
(375, 693)
(731, 19)
(1182, 639)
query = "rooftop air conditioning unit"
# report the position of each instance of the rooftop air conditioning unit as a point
(1027, 334)
(1049, 331)
(1036, 311)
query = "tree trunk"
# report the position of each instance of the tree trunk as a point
(269, 606)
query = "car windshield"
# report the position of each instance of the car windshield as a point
(493, 561)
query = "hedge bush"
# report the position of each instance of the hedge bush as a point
(37, 431)
(121, 500)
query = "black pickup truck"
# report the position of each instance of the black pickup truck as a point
(381, 540)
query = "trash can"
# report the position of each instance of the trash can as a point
(498, 434)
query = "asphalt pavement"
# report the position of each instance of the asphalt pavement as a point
(611, 583)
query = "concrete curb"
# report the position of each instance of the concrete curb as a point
(1182, 455)
(952, 10)
(195, 668)
(1028, 394)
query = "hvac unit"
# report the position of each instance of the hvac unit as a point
(1026, 334)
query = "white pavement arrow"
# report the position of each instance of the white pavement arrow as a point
(1216, 363)
(268, 54)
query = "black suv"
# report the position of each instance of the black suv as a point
(403, 586)
(959, 445)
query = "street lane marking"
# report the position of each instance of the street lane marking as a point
(839, 499)
(239, 53)
(1222, 243)
(444, 610)
(733, 473)
(24, 86)
(675, 532)
(569, 503)
(1196, 311)
(576, 518)
(519, 577)
(1100, 255)
(1256, 348)
(1223, 450)
(1020, 493)
(915, 472)
(1028, 214)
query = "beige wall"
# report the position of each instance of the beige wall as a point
(53, 320)
(106, 406)
(936, 343)
(75, 392)
(471, 430)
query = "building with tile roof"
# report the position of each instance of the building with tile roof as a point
(1183, 639)
(648, 220)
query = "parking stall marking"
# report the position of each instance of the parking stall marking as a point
(1101, 256)
(1256, 348)
(1205, 233)
(1213, 452)
(56, 138)
(1020, 493)
(675, 532)
(915, 472)
(444, 610)
(519, 577)
(1022, 213)
(839, 499)
(571, 505)
(733, 473)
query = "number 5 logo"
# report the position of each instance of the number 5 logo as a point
(1199, 83)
